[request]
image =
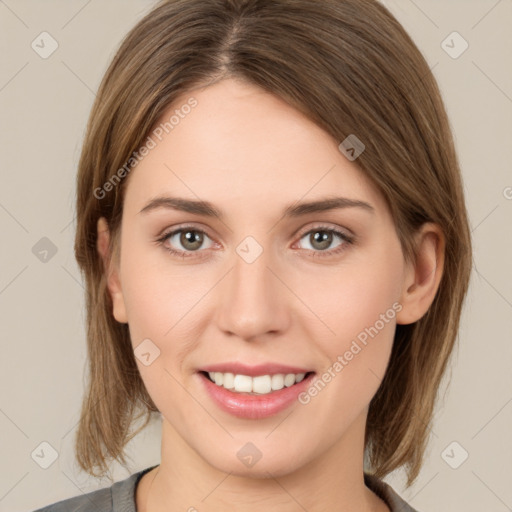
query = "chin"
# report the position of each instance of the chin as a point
(250, 462)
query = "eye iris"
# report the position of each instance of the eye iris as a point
(324, 238)
(191, 237)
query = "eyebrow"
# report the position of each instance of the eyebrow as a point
(207, 209)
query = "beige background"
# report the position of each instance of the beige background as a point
(44, 106)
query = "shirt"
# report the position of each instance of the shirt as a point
(120, 497)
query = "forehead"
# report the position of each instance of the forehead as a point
(241, 145)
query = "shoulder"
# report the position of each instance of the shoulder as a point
(387, 494)
(100, 501)
(119, 497)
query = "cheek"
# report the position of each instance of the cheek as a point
(158, 295)
(362, 314)
(160, 306)
(353, 296)
(358, 304)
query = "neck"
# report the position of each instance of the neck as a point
(332, 480)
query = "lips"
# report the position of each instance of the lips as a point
(265, 402)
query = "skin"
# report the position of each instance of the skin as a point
(251, 154)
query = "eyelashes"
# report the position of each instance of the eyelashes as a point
(332, 234)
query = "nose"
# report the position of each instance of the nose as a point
(252, 301)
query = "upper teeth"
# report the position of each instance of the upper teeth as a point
(262, 384)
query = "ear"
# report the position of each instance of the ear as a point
(112, 271)
(423, 276)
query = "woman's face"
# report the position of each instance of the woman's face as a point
(267, 284)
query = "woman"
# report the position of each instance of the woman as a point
(272, 228)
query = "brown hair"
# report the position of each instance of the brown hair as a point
(352, 69)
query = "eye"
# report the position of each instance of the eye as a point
(187, 240)
(322, 237)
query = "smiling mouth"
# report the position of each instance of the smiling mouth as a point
(258, 385)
